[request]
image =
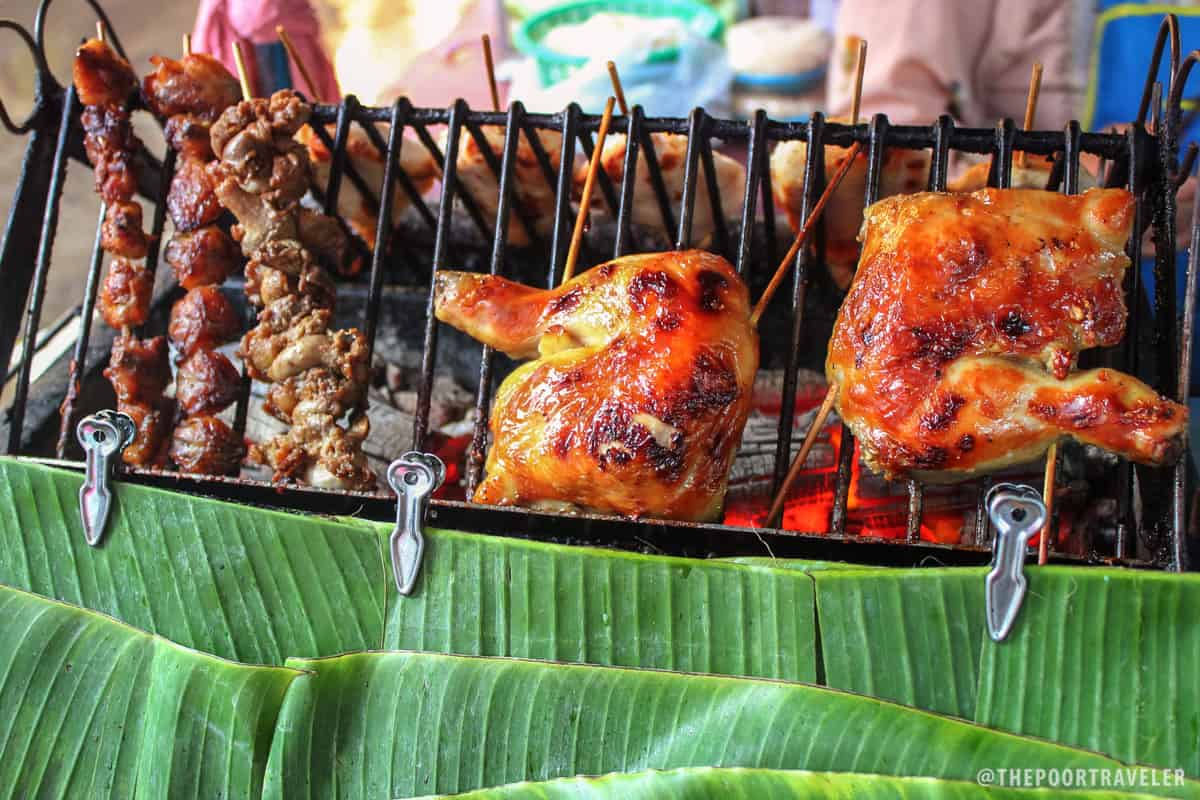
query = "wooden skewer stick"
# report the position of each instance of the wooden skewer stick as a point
(1035, 88)
(491, 71)
(620, 92)
(776, 515)
(243, 77)
(187, 45)
(100, 31)
(1048, 499)
(294, 55)
(785, 265)
(586, 199)
(860, 64)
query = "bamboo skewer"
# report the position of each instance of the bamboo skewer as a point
(775, 515)
(294, 55)
(187, 45)
(802, 236)
(1035, 88)
(620, 92)
(491, 71)
(586, 199)
(100, 31)
(243, 77)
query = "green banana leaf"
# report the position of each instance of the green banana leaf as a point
(410, 724)
(801, 564)
(485, 596)
(707, 783)
(243, 583)
(90, 707)
(259, 586)
(1106, 659)
(911, 636)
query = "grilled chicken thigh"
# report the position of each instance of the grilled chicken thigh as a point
(638, 392)
(953, 351)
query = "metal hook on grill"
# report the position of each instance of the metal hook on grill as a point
(102, 435)
(40, 71)
(414, 477)
(1017, 512)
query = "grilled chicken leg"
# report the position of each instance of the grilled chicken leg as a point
(639, 390)
(954, 348)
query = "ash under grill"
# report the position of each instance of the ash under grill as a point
(1114, 512)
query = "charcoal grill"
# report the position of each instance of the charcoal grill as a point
(1152, 504)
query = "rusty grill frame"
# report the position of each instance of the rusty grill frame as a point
(1147, 163)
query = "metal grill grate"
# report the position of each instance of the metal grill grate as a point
(1152, 504)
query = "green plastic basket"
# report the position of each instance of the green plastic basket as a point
(553, 66)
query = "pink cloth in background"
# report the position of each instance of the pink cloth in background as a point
(220, 22)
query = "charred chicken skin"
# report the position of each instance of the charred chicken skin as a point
(953, 351)
(638, 390)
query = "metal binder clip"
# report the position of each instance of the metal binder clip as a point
(414, 477)
(102, 435)
(1017, 512)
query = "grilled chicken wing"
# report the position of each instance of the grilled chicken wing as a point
(954, 348)
(904, 172)
(671, 151)
(639, 392)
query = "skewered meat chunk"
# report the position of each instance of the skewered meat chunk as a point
(206, 445)
(205, 256)
(282, 268)
(904, 172)
(280, 325)
(204, 318)
(138, 369)
(121, 232)
(197, 85)
(192, 200)
(533, 192)
(258, 221)
(102, 78)
(125, 294)
(639, 392)
(954, 348)
(323, 236)
(671, 151)
(206, 383)
(360, 214)
(319, 390)
(319, 452)
(189, 136)
(153, 421)
(110, 146)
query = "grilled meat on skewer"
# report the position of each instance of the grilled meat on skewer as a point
(317, 374)
(639, 390)
(197, 87)
(192, 199)
(1033, 174)
(954, 350)
(204, 318)
(202, 257)
(206, 383)
(138, 370)
(204, 444)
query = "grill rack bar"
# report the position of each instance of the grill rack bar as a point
(1127, 152)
